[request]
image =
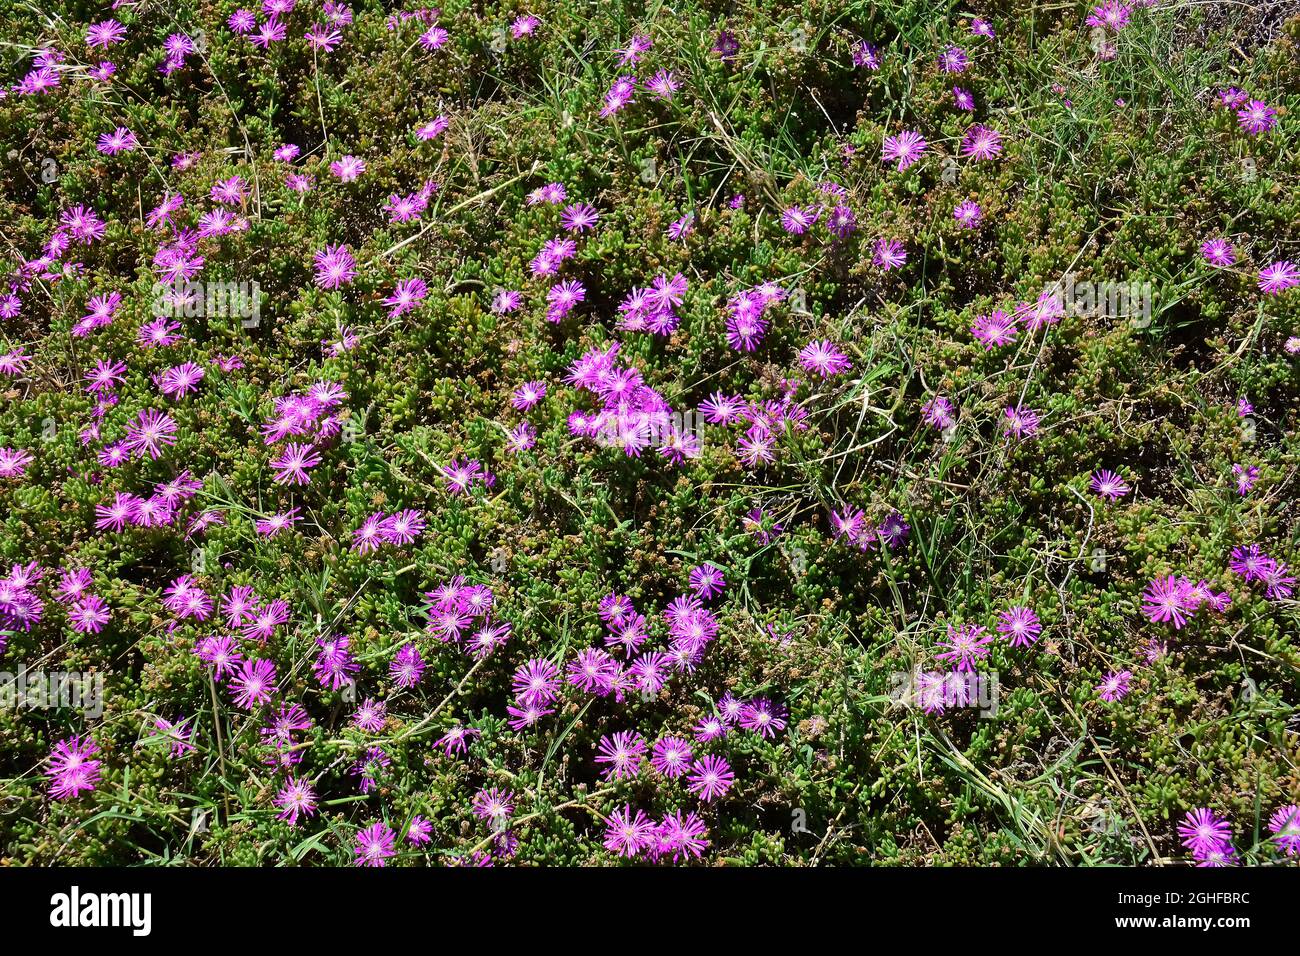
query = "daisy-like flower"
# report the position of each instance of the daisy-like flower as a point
(627, 834)
(663, 84)
(1112, 15)
(1020, 625)
(618, 95)
(888, 254)
(121, 140)
(291, 467)
(579, 217)
(797, 220)
(1218, 253)
(407, 295)
(13, 462)
(524, 26)
(865, 55)
(965, 646)
(1202, 830)
(335, 267)
(710, 778)
(150, 433)
(904, 149)
(88, 614)
(528, 395)
(403, 527)
(824, 359)
(968, 214)
(347, 168)
(434, 38)
(1245, 477)
(370, 716)
(456, 739)
(72, 769)
(995, 329)
(536, 682)
(254, 684)
(1114, 686)
(953, 60)
(296, 798)
(762, 717)
(1284, 824)
(494, 806)
(1278, 277)
(671, 756)
(622, 753)
(374, 845)
(707, 581)
(939, 413)
(679, 837)
(105, 34)
(981, 142)
(1166, 599)
(1020, 422)
(963, 99)
(1109, 485)
(1257, 117)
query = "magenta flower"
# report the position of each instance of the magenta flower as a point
(824, 359)
(981, 142)
(1257, 117)
(1218, 253)
(622, 753)
(254, 684)
(1020, 625)
(1020, 422)
(1166, 600)
(335, 267)
(905, 148)
(374, 845)
(710, 778)
(965, 646)
(150, 433)
(1278, 277)
(1114, 686)
(72, 769)
(347, 168)
(1284, 824)
(628, 835)
(1203, 831)
(1109, 485)
(296, 798)
(762, 717)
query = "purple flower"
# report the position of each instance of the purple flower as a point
(1114, 686)
(1109, 485)
(964, 646)
(905, 148)
(335, 267)
(296, 798)
(1020, 625)
(374, 845)
(1203, 831)
(254, 684)
(72, 771)
(628, 835)
(710, 778)
(622, 753)
(1285, 827)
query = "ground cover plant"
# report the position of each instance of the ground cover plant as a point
(566, 433)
